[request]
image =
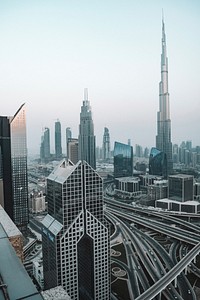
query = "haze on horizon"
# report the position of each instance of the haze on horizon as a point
(51, 50)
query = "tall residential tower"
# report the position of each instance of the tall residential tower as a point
(106, 144)
(45, 145)
(86, 139)
(13, 168)
(163, 138)
(58, 142)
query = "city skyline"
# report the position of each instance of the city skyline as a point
(51, 53)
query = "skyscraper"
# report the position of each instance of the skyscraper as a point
(58, 143)
(68, 136)
(123, 160)
(163, 138)
(13, 167)
(157, 163)
(45, 145)
(106, 144)
(75, 235)
(72, 150)
(86, 139)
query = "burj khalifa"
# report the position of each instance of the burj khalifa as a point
(163, 138)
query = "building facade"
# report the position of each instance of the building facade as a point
(45, 145)
(75, 235)
(86, 139)
(13, 168)
(106, 144)
(123, 160)
(58, 140)
(158, 163)
(72, 150)
(68, 137)
(181, 187)
(163, 138)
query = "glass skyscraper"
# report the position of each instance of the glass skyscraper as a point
(75, 238)
(45, 145)
(13, 167)
(68, 137)
(157, 163)
(86, 139)
(58, 140)
(123, 160)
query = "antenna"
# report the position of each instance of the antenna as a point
(85, 94)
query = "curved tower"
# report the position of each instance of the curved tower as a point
(163, 138)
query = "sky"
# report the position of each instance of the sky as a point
(50, 50)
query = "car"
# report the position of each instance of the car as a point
(189, 292)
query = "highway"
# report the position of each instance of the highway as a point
(165, 269)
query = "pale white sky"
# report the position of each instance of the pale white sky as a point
(51, 50)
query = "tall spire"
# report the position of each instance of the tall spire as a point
(163, 138)
(85, 94)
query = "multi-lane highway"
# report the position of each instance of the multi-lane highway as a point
(154, 272)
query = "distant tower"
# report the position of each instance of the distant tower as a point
(86, 139)
(45, 145)
(106, 144)
(13, 168)
(72, 150)
(68, 136)
(75, 239)
(58, 144)
(163, 138)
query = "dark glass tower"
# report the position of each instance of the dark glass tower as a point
(13, 167)
(45, 145)
(123, 160)
(106, 144)
(157, 163)
(58, 143)
(75, 235)
(163, 138)
(86, 139)
(181, 187)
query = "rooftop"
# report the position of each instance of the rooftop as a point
(56, 293)
(15, 281)
(8, 225)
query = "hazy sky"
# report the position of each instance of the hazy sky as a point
(50, 50)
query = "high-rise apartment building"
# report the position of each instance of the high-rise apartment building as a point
(86, 139)
(138, 151)
(45, 145)
(68, 136)
(75, 234)
(123, 160)
(163, 138)
(106, 144)
(58, 140)
(13, 167)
